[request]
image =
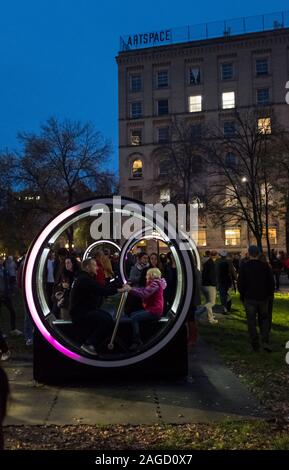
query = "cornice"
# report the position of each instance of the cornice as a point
(199, 48)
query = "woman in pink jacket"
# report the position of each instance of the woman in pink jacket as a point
(152, 297)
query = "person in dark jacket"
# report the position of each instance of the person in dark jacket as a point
(85, 302)
(6, 299)
(209, 282)
(226, 275)
(256, 286)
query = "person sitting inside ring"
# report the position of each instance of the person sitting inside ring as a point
(152, 296)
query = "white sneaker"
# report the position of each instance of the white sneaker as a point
(16, 332)
(5, 356)
(213, 321)
(29, 342)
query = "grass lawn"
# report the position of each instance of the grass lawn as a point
(266, 374)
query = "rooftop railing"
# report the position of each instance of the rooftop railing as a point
(216, 29)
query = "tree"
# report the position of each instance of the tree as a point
(183, 157)
(63, 164)
(241, 174)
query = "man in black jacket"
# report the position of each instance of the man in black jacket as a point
(85, 302)
(256, 286)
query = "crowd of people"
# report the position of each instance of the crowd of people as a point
(76, 291)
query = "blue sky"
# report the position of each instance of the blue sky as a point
(57, 57)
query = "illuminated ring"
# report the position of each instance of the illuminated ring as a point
(34, 289)
(99, 242)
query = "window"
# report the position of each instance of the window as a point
(163, 107)
(135, 82)
(136, 194)
(231, 160)
(232, 236)
(196, 131)
(137, 169)
(163, 134)
(272, 232)
(230, 196)
(135, 136)
(262, 67)
(165, 195)
(163, 168)
(162, 79)
(228, 100)
(195, 103)
(229, 128)
(227, 71)
(194, 76)
(200, 236)
(264, 125)
(263, 96)
(136, 109)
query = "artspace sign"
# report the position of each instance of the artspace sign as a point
(154, 38)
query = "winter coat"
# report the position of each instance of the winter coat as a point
(152, 296)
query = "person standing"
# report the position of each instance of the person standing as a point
(256, 286)
(209, 283)
(226, 275)
(5, 298)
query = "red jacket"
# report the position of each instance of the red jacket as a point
(152, 296)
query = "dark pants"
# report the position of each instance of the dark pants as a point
(3, 344)
(139, 317)
(277, 279)
(9, 305)
(100, 325)
(223, 291)
(49, 292)
(253, 309)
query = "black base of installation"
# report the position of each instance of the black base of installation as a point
(52, 367)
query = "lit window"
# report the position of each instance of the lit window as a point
(162, 79)
(229, 128)
(135, 137)
(137, 169)
(194, 76)
(163, 135)
(262, 67)
(165, 195)
(272, 232)
(228, 100)
(195, 103)
(227, 71)
(263, 96)
(200, 236)
(232, 236)
(135, 82)
(162, 107)
(136, 109)
(264, 125)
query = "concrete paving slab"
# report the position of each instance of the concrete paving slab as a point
(210, 393)
(114, 404)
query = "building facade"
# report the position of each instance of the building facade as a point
(204, 81)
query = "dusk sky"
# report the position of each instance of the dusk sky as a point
(57, 57)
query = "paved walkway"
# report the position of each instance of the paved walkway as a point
(210, 393)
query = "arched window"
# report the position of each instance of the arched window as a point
(137, 168)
